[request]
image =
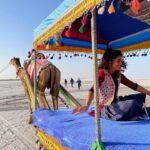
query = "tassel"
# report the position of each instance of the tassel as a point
(56, 36)
(50, 41)
(43, 46)
(111, 9)
(67, 33)
(84, 20)
(101, 10)
(61, 43)
(48, 46)
(81, 29)
(135, 5)
(55, 43)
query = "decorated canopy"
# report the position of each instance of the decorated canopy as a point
(68, 28)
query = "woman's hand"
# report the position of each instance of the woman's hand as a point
(143, 90)
(80, 109)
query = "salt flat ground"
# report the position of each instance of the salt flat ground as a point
(15, 132)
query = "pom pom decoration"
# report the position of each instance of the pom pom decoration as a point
(55, 43)
(56, 36)
(43, 46)
(48, 46)
(111, 8)
(101, 10)
(68, 33)
(50, 40)
(81, 29)
(135, 6)
(84, 20)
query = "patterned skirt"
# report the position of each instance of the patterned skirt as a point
(129, 107)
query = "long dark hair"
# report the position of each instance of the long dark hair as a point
(107, 59)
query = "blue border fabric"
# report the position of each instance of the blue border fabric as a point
(78, 131)
(142, 36)
(79, 43)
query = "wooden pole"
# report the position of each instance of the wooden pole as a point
(95, 71)
(35, 86)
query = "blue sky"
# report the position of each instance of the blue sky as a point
(19, 18)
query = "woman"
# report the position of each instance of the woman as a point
(109, 77)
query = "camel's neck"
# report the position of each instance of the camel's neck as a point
(17, 67)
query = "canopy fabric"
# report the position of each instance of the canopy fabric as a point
(54, 16)
(117, 30)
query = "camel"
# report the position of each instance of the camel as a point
(44, 81)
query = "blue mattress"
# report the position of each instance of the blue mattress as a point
(78, 131)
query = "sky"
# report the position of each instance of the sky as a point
(19, 18)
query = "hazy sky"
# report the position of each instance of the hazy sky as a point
(18, 19)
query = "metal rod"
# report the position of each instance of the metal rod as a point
(95, 71)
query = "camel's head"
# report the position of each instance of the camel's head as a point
(40, 56)
(15, 62)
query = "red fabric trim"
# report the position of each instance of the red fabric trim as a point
(92, 113)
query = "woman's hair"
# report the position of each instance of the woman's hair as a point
(108, 57)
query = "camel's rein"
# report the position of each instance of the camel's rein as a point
(2, 70)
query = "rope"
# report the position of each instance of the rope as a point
(2, 70)
(63, 101)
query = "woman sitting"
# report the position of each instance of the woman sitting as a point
(109, 77)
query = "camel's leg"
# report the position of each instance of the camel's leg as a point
(29, 102)
(55, 102)
(43, 100)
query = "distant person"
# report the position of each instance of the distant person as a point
(71, 82)
(79, 83)
(66, 82)
(112, 106)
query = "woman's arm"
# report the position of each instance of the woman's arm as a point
(90, 95)
(89, 99)
(143, 90)
(134, 86)
(87, 104)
